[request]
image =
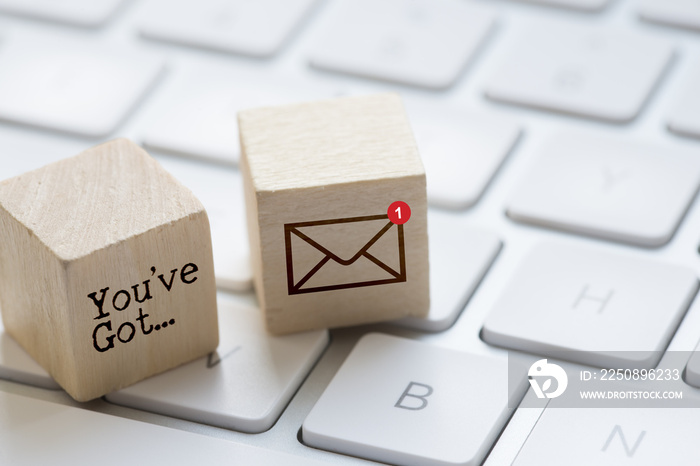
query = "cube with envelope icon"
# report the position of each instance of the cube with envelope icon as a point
(337, 212)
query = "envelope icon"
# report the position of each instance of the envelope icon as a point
(344, 253)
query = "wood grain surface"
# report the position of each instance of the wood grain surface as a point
(343, 158)
(106, 269)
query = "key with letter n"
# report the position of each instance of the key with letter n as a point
(613, 436)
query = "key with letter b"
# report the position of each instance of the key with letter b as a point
(421, 400)
(405, 402)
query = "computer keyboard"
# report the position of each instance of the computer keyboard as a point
(561, 140)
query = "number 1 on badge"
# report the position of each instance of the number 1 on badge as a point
(395, 211)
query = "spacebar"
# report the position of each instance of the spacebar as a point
(38, 432)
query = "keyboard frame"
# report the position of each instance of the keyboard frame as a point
(37, 147)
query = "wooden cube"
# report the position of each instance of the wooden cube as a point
(106, 269)
(319, 179)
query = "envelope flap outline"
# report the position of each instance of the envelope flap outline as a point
(344, 237)
(334, 256)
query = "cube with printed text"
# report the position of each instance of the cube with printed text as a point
(337, 212)
(106, 269)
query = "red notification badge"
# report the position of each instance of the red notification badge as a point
(399, 212)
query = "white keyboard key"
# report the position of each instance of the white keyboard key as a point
(203, 121)
(461, 151)
(615, 189)
(692, 369)
(29, 153)
(679, 13)
(17, 365)
(584, 5)
(612, 310)
(613, 437)
(685, 117)
(459, 258)
(202, 118)
(244, 385)
(88, 13)
(423, 42)
(405, 402)
(71, 88)
(221, 192)
(597, 73)
(36, 432)
(250, 27)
